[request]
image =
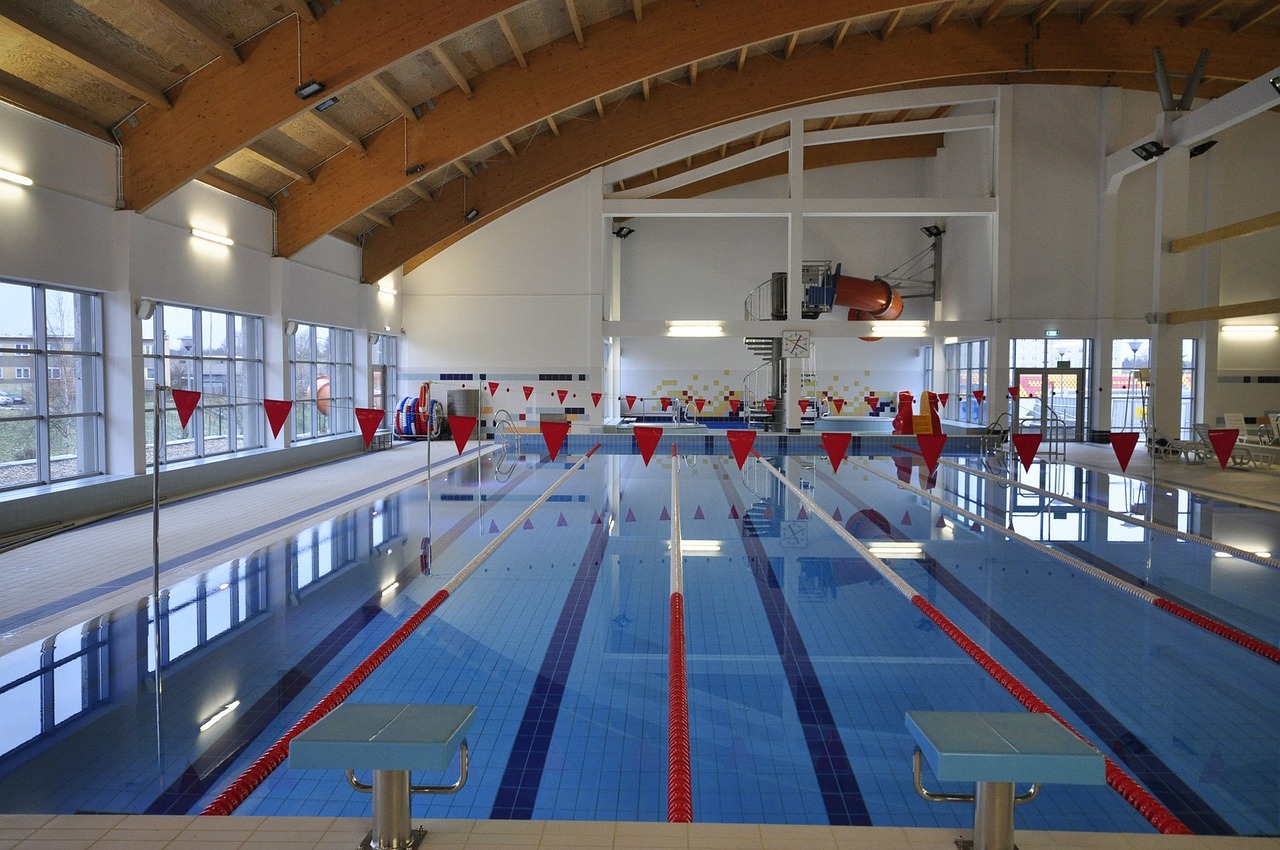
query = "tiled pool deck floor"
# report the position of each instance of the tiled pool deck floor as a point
(143, 832)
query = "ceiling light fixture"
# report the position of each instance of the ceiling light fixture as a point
(212, 237)
(900, 329)
(309, 89)
(325, 104)
(1203, 147)
(1275, 84)
(695, 329)
(1250, 329)
(623, 231)
(1148, 151)
(471, 215)
(14, 177)
(932, 231)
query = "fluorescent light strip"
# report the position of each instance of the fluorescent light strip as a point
(899, 328)
(13, 177)
(1250, 329)
(212, 237)
(695, 329)
(225, 710)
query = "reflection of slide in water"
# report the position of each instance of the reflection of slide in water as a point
(866, 299)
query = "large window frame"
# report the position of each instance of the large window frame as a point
(383, 354)
(218, 354)
(966, 367)
(322, 373)
(52, 421)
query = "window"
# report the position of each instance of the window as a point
(51, 419)
(198, 610)
(1190, 366)
(1130, 379)
(966, 371)
(217, 354)
(323, 379)
(382, 359)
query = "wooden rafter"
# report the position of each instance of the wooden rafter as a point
(1151, 7)
(195, 27)
(391, 96)
(231, 187)
(337, 131)
(1258, 13)
(280, 163)
(512, 41)
(451, 69)
(553, 126)
(14, 94)
(421, 191)
(86, 60)
(1096, 8)
(507, 146)
(572, 7)
(1046, 8)
(1248, 227)
(890, 24)
(377, 218)
(742, 56)
(841, 31)
(637, 9)
(644, 88)
(831, 123)
(303, 8)
(1226, 311)
(693, 73)
(463, 168)
(1202, 11)
(758, 140)
(599, 104)
(791, 45)
(990, 14)
(936, 22)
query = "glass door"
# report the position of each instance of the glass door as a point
(1051, 399)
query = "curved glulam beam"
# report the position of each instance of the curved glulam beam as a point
(559, 76)
(225, 107)
(1115, 53)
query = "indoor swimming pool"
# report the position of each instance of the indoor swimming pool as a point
(802, 656)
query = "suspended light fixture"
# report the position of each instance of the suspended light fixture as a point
(212, 237)
(14, 177)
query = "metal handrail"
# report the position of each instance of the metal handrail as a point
(463, 763)
(941, 797)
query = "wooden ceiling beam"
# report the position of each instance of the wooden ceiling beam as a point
(572, 7)
(195, 27)
(506, 144)
(599, 106)
(1097, 7)
(450, 68)
(644, 88)
(1045, 9)
(12, 91)
(742, 57)
(991, 11)
(421, 191)
(1225, 311)
(302, 8)
(553, 126)
(637, 9)
(1201, 11)
(1148, 9)
(791, 45)
(512, 41)
(891, 24)
(377, 218)
(1257, 14)
(280, 163)
(966, 55)
(337, 131)
(86, 60)
(391, 96)
(944, 14)
(231, 187)
(693, 73)
(841, 31)
(1247, 227)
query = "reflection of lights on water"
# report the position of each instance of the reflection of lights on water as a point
(390, 588)
(223, 712)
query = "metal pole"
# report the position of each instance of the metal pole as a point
(157, 441)
(993, 816)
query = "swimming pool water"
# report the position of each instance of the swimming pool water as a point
(802, 659)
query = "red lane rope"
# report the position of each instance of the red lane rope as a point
(1234, 635)
(1126, 786)
(239, 790)
(679, 767)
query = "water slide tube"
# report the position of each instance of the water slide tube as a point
(866, 299)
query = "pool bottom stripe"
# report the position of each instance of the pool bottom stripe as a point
(518, 790)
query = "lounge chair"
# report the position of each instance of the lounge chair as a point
(1167, 448)
(1242, 455)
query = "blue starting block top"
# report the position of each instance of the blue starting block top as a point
(362, 736)
(974, 746)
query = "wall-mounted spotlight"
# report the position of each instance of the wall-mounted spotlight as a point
(325, 104)
(416, 168)
(12, 177)
(1275, 84)
(471, 215)
(1203, 147)
(291, 327)
(145, 308)
(212, 237)
(623, 231)
(1148, 151)
(309, 89)
(932, 231)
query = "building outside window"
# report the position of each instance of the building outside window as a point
(966, 370)
(1131, 390)
(382, 362)
(320, 364)
(51, 414)
(218, 355)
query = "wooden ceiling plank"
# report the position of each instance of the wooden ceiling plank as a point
(1255, 15)
(1046, 8)
(1247, 227)
(991, 11)
(512, 41)
(14, 94)
(195, 27)
(86, 60)
(281, 163)
(452, 69)
(231, 187)
(377, 218)
(391, 96)
(944, 14)
(1096, 8)
(1225, 311)
(572, 7)
(336, 130)
(891, 24)
(841, 32)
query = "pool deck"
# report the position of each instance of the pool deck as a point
(254, 514)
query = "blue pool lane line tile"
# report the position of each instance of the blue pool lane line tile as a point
(518, 790)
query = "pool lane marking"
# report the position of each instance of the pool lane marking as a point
(679, 759)
(837, 783)
(1119, 515)
(239, 790)
(1156, 813)
(1210, 624)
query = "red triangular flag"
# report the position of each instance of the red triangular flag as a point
(553, 433)
(562, 394)
(277, 413)
(185, 403)
(528, 525)
(734, 404)
(631, 401)
(528, 391)
(839, 404)
(461, 427)
(369, 418)
(804, 405)
(769, 405)
(931, 448)
(595, 398)
(836, 444)
(493, 388)
(733, 512)
(941, 523)
(835, 515)
(1026, 444)
(906, 518)
(698, 403)
(1122, 443)
(698, 514)
(942, 398)
(1223, 439)
(665, 515)
(631, 516)
(1013, 392)
(979, 395)
(741, 442)
(493, 527)
(802, 514)
(647, 438)
(665, 402)
(562, 522)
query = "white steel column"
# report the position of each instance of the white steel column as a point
(795, 267)
(1171, 288)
